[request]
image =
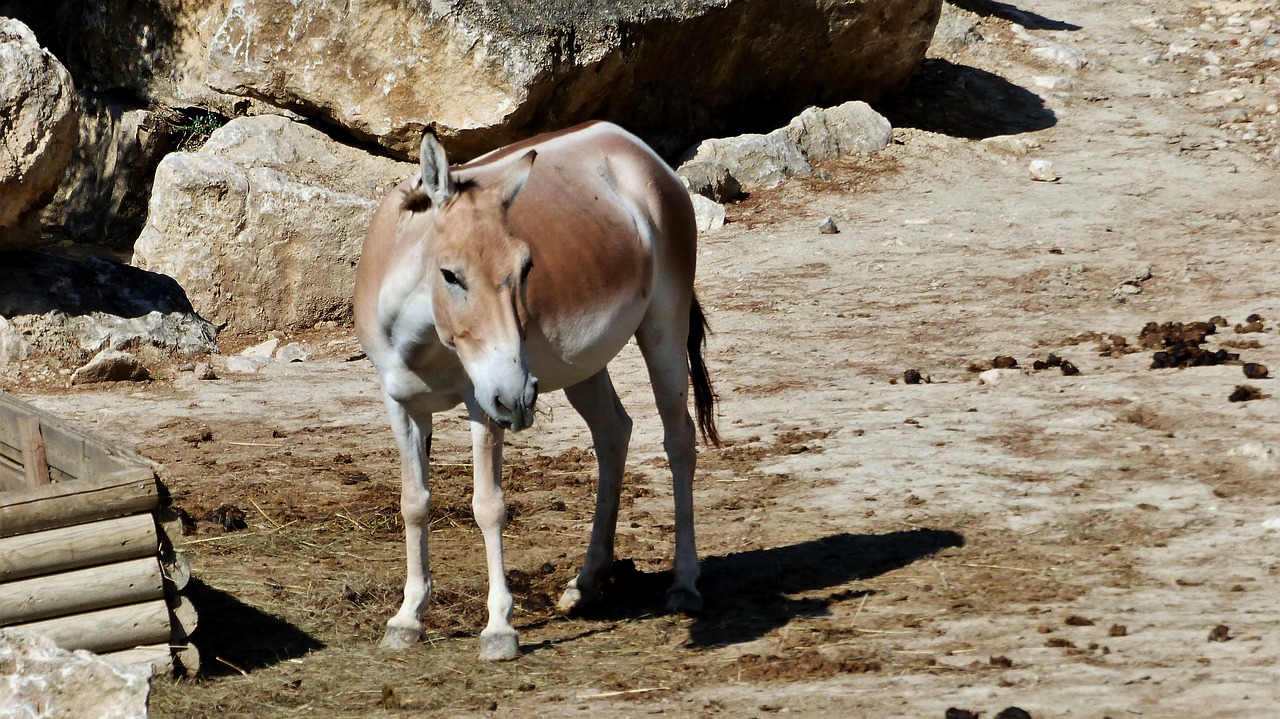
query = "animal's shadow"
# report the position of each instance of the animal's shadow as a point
(963, 101)
(234, 637)
(1005, 11)
(746, 594)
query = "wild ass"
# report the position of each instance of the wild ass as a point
(523, 271)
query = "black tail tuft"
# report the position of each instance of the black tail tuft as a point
(704, 395)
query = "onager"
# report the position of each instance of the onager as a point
(524, 271)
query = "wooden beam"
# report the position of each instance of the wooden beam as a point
(80, 545)
(121, 493)
(34, 460)
(81, 590)
(158, 656)
(132, 625)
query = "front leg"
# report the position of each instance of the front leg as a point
(413, 436)
(499, 640)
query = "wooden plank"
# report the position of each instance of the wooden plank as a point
(34, 459)
(81, 545)
(120, 493)
(81, 590)
(71, 451)
(158, 656)
(182, 618)
(105, 630)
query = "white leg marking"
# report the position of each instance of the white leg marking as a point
(499, 640)
(413, 435)
(597, 402)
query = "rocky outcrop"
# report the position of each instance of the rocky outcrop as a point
(103, 196)
(263, 226)
(73, 308)
(484, 74)
(38, 131)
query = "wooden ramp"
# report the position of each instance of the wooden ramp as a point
(88, 545)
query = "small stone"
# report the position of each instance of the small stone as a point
(708, 214)
(204, 370)
(293, 352)
(1233, 115)
(111, 366)
(1042, 171)
(264, 349)
(246, 365)
(828, 227)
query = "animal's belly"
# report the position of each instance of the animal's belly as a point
(570, 350)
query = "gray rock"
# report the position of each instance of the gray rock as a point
(41, 680)
(711, 181)
(246, 365)
(957, 29)
(755, 160)
(485, 73)
(708, 213)
(263, 226)
(829, 227)
(38, 131)
(205, 371)
(111, 366)
(264, 350)
(825, 134)
(76, 307)
(293, 352)
(103, 196)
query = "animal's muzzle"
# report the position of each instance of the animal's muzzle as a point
(514, 410)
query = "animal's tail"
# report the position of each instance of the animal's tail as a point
(704, 396)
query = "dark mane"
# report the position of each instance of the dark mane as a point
(417, 200)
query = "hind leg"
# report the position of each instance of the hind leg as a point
(597, 401)
(663, 345)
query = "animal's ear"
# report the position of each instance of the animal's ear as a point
(434, 179)
(512, 181)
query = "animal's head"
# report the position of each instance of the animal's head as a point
(477, 271)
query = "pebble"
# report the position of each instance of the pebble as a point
(204, 371)
(828, 227)
(1042, 171)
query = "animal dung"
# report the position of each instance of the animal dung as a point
(1004, 362)
(1220, 633)
(912, 376)
(1054, 360)
(1253, 370)
(1245, 393)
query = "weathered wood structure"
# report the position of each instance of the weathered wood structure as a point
(88, 544)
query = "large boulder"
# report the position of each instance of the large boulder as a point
(103, 196)
(38, 129)
(263, 226)
(483, 74)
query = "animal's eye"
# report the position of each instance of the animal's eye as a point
(452, 278)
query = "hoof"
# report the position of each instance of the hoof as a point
(401, 637)
(684, 601)
(574, 600)
(499, 646)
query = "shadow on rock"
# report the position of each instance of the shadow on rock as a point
(1005, 11)
(963, 101)
(33, 283)
(746, 592)
(234, 636)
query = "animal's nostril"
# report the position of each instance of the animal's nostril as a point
(497, 402)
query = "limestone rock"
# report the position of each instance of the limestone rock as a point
(708, 213)
(824, 134)
(486, 73)
(103, 195)
(709, 180)
(75, 307)
(111, 366)
(37, 679)
(754, 160)
(38, 128)
(263, 226)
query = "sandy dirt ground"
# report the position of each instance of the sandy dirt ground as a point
(1099, 544)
